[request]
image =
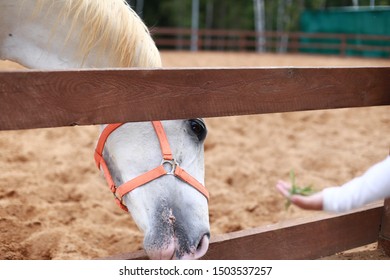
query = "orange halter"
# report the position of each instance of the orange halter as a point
(151, 175)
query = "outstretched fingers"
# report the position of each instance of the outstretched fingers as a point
(311, 202)
(284, 188)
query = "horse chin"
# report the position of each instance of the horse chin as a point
(165, 253)
(172, 251)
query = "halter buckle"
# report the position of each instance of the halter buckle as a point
(169, 165)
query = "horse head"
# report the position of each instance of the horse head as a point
(169, 207)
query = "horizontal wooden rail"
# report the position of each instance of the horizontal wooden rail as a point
(307, 238)
(172, 31)
(35, 99)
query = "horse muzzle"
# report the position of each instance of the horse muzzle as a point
(176, 235)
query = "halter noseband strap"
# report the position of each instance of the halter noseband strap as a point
(149, 176)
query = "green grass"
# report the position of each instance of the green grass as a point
(295, 189)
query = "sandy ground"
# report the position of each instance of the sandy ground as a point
(55, 205)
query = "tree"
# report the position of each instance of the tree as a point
(259, 11)
(194, 25)
(282, 15)
(139, 8)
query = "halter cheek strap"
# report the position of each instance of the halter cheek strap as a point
(168, 166)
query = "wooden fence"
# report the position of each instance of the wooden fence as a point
(306, 238)
(33, 99)
(241, 40)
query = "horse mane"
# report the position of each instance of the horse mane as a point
(110, 27)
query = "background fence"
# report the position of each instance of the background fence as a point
(294, 42)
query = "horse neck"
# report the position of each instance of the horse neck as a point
(34, 41)
(49, 38)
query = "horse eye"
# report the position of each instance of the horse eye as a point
(198, 127)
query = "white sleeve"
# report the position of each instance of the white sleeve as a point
(373, 185)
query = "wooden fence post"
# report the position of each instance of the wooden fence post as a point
(384, 234)
(343, 45)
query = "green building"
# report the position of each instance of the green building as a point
(356, 22)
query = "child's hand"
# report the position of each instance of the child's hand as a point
(310, 202)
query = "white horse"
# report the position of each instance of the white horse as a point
(172, 211)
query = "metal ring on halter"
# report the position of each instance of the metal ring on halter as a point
(172, 163)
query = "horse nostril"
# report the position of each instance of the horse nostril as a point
(207, 235)
(202, 246)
